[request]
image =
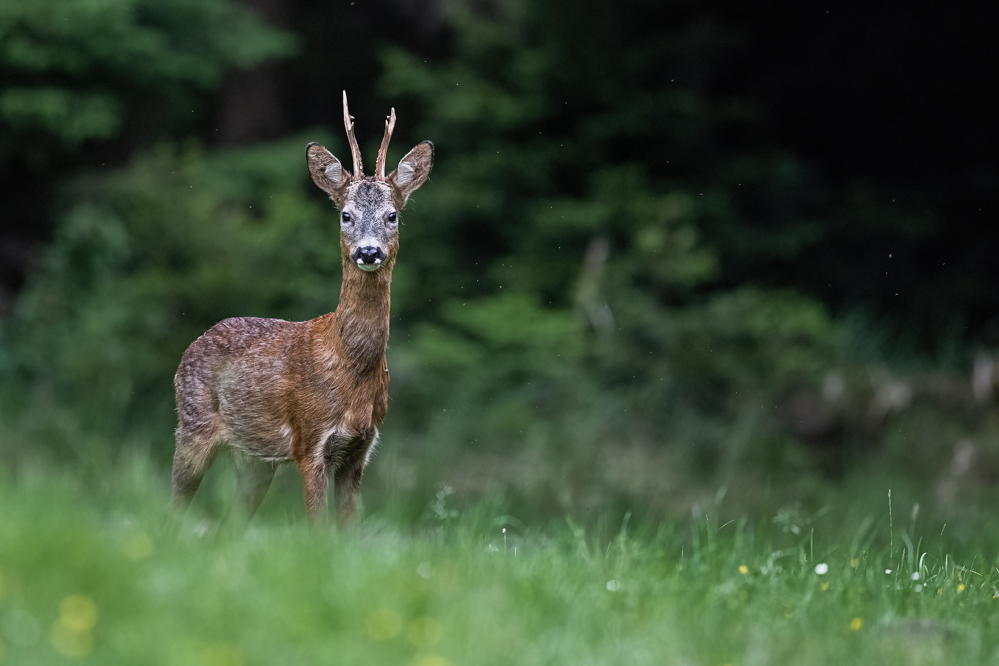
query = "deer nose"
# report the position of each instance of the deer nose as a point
(368, 257)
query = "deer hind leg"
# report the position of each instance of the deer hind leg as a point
(253, 478)
(191, 460)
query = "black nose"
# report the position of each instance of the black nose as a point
(369, 255)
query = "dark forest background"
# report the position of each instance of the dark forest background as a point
(666, 247)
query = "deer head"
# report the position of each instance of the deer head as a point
(369, 206)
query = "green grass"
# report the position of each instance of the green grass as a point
(98, 575)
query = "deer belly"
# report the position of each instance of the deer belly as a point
(270, 443)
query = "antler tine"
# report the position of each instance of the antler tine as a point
(355, 152)
(383, 150)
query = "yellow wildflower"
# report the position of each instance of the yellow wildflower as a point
(137, 547)
(71, 634)
(384, 624)
(78, 612)
(424, 632)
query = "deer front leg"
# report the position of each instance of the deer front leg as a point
(315, 482)
(352, 457)
(344, 456)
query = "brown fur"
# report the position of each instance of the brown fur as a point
(312, 392)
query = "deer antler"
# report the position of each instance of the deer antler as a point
(355, 152)
(383, 151)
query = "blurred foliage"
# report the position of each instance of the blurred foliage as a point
(581, 183)
(552, 294)
(580, 310)
(81, 70)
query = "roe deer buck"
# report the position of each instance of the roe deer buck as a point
(314, 391)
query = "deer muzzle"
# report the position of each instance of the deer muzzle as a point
(368, 258)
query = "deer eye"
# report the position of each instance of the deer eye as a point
(345, 217)
(392, 217)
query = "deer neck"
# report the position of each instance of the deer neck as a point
(361, 327)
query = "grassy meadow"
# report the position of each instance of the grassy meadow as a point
(694, 351)
(101, 573)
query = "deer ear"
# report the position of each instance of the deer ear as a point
(413, 171)
(327, 172)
